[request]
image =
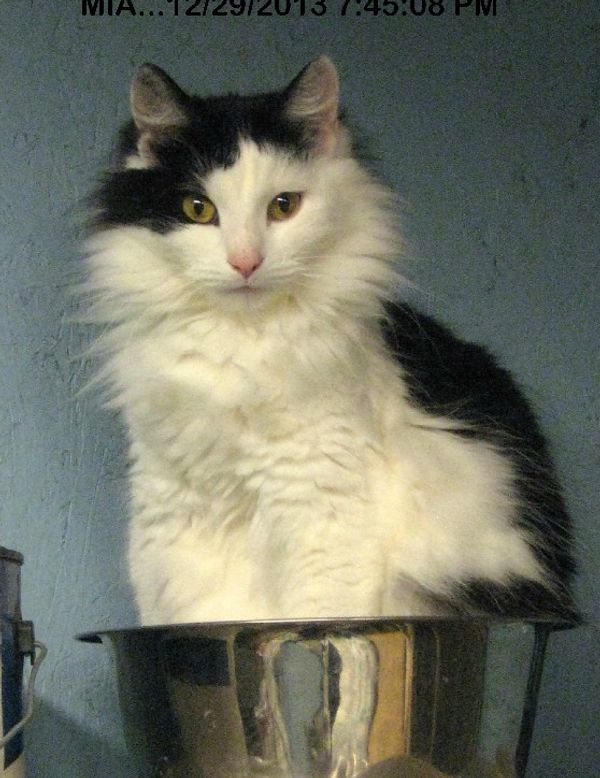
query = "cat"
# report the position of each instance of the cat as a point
(302, 444)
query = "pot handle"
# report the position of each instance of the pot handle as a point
(37, 652)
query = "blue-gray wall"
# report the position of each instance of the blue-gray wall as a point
(489, 127)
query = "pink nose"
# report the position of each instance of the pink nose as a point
(245, 262)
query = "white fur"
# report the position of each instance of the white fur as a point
(136, 162)
(278, 468)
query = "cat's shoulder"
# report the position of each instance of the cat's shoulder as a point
(451, 376)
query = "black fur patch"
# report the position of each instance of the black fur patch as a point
(152, 197)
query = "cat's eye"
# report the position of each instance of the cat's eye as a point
(283, 206)
(200, 209)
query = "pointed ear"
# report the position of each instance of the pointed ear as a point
(312, 99)
(157, 105)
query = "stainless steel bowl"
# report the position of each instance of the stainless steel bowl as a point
(385, 698)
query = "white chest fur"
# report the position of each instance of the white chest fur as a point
(285, 474)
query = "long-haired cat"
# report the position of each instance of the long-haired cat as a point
(301, 445)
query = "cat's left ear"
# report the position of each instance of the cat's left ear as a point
(312, 100)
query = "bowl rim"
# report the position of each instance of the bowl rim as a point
(226, 628)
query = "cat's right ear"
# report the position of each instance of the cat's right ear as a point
(312, 100)
(158, 107)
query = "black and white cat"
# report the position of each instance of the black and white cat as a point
(300, 445)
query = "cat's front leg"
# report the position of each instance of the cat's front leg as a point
(172, 578)
(319, 550)
(184, 570)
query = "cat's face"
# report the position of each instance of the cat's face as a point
(269, 227)
(245, 204)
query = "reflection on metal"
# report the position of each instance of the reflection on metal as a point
(327, 699)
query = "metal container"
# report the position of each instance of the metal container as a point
(16, 642)
(386, 698)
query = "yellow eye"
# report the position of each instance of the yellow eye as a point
(200, 209)
(283, 206)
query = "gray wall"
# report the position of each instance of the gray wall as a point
(489, 127)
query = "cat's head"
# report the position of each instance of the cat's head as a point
(241, 205)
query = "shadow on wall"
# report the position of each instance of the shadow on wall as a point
(68, 749)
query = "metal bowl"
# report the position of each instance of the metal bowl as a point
(354, 698)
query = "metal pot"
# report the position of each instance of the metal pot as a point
(354, 698)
